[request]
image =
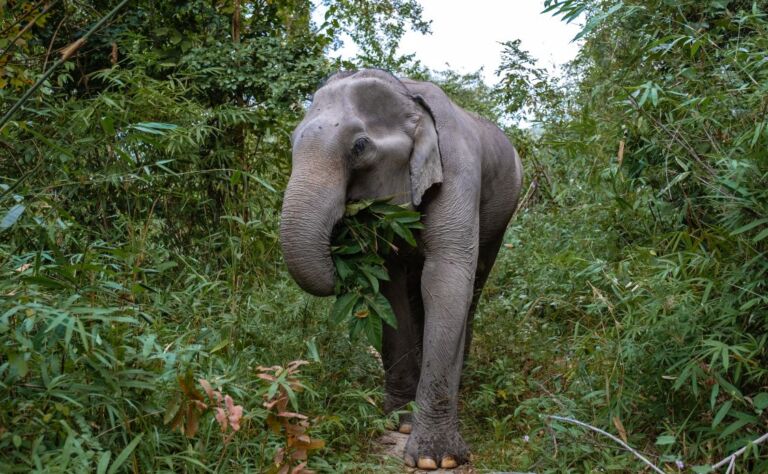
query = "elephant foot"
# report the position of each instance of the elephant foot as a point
(404, 419)
(405, 423)
(429, 450)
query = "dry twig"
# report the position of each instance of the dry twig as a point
(609, 435)
(731, 460)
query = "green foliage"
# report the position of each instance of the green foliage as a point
(366, 236)
(139, 203)
(376, 28)
(646, 277)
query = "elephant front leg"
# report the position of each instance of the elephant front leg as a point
(447, 294)
(401, 347)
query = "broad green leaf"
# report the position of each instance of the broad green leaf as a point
(665, 440)
(221, 345)
(342, 268)
(12, 216)
(405, 233)
(750, 226)
(373, 331)
(371, 278)
(155, 128)
(347, 249)
(760, 401)
(101, 468)
(356, 326)
(736, 426)
(123, 456)
(383, 309)
(763, 234)
(355, 207)
(713, 395)
(703, 469)
(343, 306)
(172, 409)
(312, 350)
(108, 125)
(18, 364)
(379, 272)
(721, 413)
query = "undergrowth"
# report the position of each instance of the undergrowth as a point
(147, 323)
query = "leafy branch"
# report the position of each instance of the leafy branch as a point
(361, 244)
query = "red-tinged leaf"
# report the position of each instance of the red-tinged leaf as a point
(620, 428)
(290, 414)
(296, 363)
(299, 469)
(234, 413)
(299, 454)
(193, 422)
(189, 390)
(200, 405)
(274, 368)
(304, 438)
(280, 456)
(207, 387)
(282, 403)
(295, 429)
(270, 378)
(221, 418)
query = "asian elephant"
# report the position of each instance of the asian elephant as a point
(368, 134)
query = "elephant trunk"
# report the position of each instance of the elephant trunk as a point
(313, 204)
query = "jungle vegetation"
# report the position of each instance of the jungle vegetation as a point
(147, 323)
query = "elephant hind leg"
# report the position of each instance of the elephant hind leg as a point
(402, 347)
(486, 258)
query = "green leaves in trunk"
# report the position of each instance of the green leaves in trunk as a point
(366, 235)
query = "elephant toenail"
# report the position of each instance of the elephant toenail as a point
(405, 428)
(428, 464)
(448, 462)
(409, 461)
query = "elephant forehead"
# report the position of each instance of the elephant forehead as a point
(369, 98)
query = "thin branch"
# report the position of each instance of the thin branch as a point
(731, 460)
(29, 25)
(50, 46)
(609, 435)
(21, 18)
(66, 53)
(527, 197)
(674, 136)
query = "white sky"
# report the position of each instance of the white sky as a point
(466, 35)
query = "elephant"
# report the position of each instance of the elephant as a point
(368, 135)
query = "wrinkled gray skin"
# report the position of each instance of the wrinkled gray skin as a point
(368, 134)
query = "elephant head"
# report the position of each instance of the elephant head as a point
(364, 136)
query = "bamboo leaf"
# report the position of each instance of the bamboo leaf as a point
(12, 216)
(721, 413)
(123, 456)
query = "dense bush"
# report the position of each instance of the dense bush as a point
(141, 187)
(644, 262)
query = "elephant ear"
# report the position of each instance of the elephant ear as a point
(426, 162)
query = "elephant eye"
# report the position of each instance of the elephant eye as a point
(359, 147)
